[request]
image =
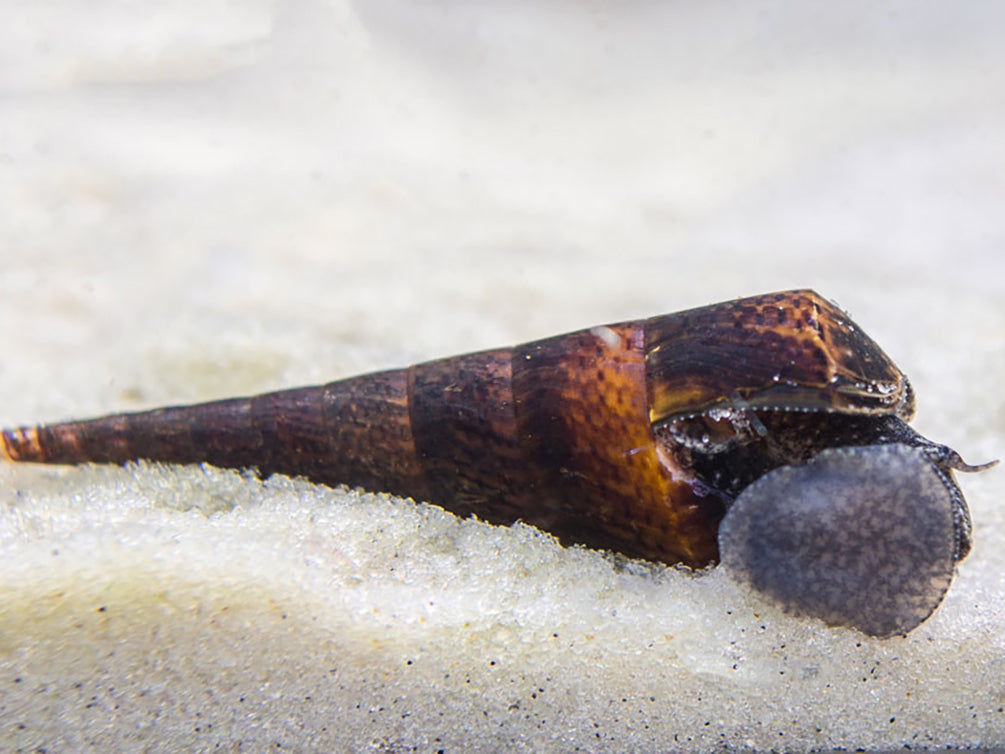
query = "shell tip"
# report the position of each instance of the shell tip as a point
(20, 444)
(4, 452)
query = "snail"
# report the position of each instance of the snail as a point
(767, 432)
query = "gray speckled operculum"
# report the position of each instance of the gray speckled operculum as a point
(858, 536)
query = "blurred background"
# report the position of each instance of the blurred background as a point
(377, 181)
(201, 198)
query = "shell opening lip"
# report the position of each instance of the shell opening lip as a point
(875, 397)
(844, 399)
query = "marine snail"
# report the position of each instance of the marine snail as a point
(769, 428)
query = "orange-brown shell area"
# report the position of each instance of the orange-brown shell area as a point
(583, 420)
(791, 351)
(557, 432)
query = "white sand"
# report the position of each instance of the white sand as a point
(204, 199)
